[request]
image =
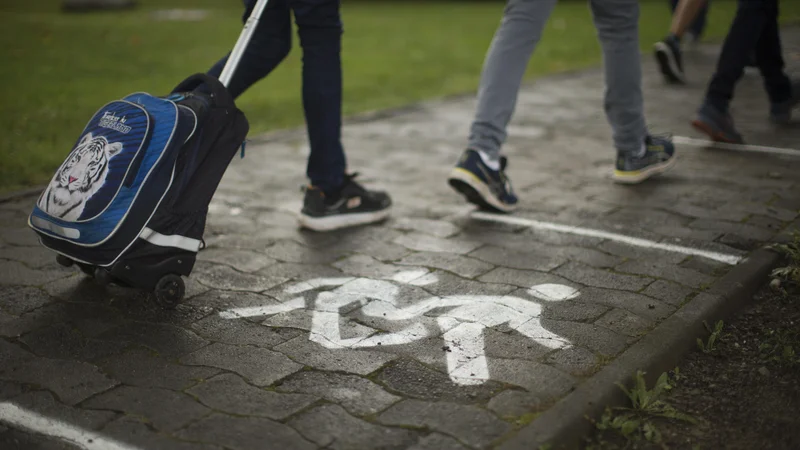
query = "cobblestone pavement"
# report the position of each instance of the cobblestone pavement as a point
(434, 330)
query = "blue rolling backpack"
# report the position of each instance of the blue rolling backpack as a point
(128, 206)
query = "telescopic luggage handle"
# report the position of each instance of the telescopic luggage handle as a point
(241, 44)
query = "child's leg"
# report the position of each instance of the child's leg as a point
(271, 42)
(320, 30)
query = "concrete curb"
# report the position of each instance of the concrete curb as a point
(565, 424)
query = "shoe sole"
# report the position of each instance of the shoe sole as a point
(668, 64)
(476, 191)
(715, 135)
(642, 175)
(339, 221)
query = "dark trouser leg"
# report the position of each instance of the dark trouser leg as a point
(271, 42)
(320, 30)
(769, 58)
(741, 41)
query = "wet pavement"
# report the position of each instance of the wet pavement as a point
(439, 329)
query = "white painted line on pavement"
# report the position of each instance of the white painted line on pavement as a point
(37, 423)
(638, 242)
(735, 147)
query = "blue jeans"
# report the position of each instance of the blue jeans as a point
(699, 23)
(754, 31)
(320, 31)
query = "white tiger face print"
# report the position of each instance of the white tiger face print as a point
(80, 177)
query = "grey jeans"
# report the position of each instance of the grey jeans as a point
(617, 23)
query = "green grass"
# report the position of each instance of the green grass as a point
(58, 69)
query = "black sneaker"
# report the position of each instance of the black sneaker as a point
(658, 157)
(352, 205)
(670, 61)
(482, 186)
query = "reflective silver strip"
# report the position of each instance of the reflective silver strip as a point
(70, 233)
(174, 240)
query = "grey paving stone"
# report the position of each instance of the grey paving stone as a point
(511, 344)
(687, 277)
(359, 362)
(459, 265)
(425, 243)
(574, 311)
(331, 427)
(229, 393)
(545, 381)
(71, 381)
(357, 395)
(706, 266)
(44, 404)
(223, 300)
(226, 278)
(449, 284)
(438, 228)
(524, 278)
(19, 236)
(134, 432)
(167, 340)
(437, 441)
(600, 278)
(141, 367)
(574, 360)
(242, 332)
(369, 267)
(743, 230)
(473, 426)
(245, 433)
(687, 233)
(738, 242)
(767, 223)
(595, 338)
(640, 305)
(668, 292)
(290, 251)
(18, 300)
(254, 243)
(166, 410)
(241, 260)
(517, 259)
(525, 243)
(260, 366)
(511, 404)
(10, 390)
(639, 253)
(33, 257)
(410, 378)
(381, 250)
(303, 271)
(64, 341)
(625, 323)
(16, 273)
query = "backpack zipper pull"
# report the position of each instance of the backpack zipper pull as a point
(244, 144)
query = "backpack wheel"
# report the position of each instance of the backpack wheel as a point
(169, 291)
(102, 276)
(64, 261)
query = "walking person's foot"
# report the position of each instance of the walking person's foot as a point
(669, 59)
(656, 157)
(351, 205)
(483, 185)
(781, 113)
(717, 125)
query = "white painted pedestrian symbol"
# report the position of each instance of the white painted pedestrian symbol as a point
(461, 318)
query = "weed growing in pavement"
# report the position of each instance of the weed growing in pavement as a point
(636, 422)
(781, 346)
(709, 346)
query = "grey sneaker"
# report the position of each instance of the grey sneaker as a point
(670, 60)
(658, 157)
